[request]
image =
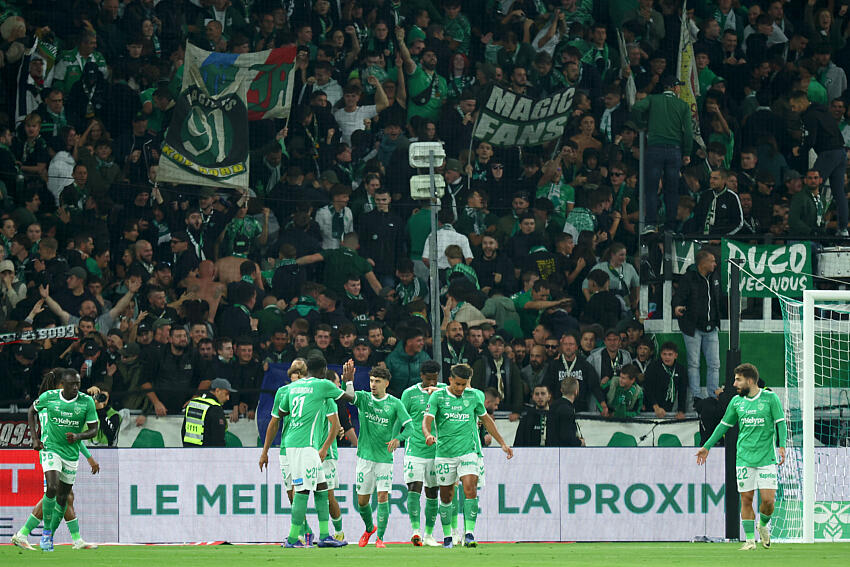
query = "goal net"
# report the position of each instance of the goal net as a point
(813, 499)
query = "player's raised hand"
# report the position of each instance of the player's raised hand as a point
(348, 371)
(508, 451)
(392, 445)
(430, 440)
(702, 455)
(264, 461)
(781, 455)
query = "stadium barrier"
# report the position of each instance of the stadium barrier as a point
(194, 495)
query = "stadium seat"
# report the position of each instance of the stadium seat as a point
(620, 439)
(231, 440)
(668, 440)
(149, 439)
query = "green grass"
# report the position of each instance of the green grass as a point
(487, 555)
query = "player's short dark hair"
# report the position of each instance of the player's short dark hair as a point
(377, 372)
(748, 371)
(316, 365)
(429, 367)
(462, 371)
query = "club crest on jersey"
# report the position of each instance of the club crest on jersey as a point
(466, 403)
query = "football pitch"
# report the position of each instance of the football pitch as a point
(489, 555)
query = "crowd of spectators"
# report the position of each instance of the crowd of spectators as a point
(325, 250)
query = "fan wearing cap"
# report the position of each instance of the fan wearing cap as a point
(134, 149)
(669, 145)
(203, 421)
(11, 291)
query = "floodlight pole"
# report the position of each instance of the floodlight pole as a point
(434, 284)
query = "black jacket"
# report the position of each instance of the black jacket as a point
(728, 216)
(532, 425)
(484, 376)
(701, 298)
(589, 390)
(820, 130)
(464, 353)
(174, 378)
(382, 239)
(656, 386)
(561, 428)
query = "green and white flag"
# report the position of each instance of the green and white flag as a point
(207, 140)
(511, 119)
(785, 269)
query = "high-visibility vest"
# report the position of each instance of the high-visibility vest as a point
(196, 411)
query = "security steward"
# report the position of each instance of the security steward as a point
(203, 421)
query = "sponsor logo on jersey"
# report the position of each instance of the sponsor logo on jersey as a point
(752, 421)
(377, 419)
(458, 416)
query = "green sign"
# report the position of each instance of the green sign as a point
(782, 269)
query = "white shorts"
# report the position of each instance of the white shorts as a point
(284, 470)
(372, 475)
(417, 469)
(329, 466)
(451, 469)
(51, 461)
(305, 467)
(480, 472)
(752, 478)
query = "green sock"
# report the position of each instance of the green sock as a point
(413, 508)
(455, 512)
(432, 507)
(470, 514)
(299, 510)
(31, 523)
(58, 516)
(74, 528)
(749, 529)
(446, 518)
(47, 506)
(764, 519)
(366, 514)
(321, 500)
(305, 527)
(383, 518)
(337, 523)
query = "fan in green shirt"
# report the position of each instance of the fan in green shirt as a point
(419, 469)
(427, 90)
(382, 428)
(455, 411)
(759, 415)
(69, 418)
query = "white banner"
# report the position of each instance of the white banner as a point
(186, 495)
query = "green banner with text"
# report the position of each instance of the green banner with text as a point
(768, 269)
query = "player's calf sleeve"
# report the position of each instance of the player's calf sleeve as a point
(383, 518)
(764, 519)
(455, 511)
(47, 507)
(413, 509)
(470, 514)
(74, 528)
(58, 516)
(366, 514)
(321, 501)
(432, 509)
(446, 511)
(31, 523)
(299, 510)
(749, 529)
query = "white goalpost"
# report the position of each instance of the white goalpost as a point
(813, 500)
